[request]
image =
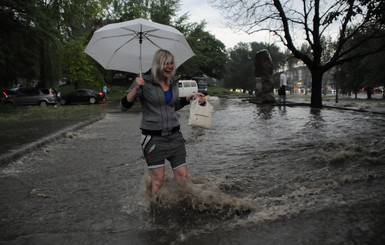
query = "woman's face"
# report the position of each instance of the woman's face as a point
(167, 69)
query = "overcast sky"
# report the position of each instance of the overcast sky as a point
(200, 10)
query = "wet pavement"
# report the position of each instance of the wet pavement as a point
(73, 190)
(88, 186)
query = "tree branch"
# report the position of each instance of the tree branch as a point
(289, 41)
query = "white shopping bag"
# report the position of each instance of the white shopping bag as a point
(200, 115)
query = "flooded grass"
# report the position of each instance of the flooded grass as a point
(21, 125)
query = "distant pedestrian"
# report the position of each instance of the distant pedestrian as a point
(282, 88)
(105, 91)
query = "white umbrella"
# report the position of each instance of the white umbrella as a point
(130, 46)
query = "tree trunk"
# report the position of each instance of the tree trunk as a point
(43, 75)
(369, 92)
(316, 90)
(336, 92)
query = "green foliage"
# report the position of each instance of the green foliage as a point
(162, 11)
(365, 72)
(210, 54)
(42, 41)
(30, 47)
(240, 67)
(78, 17)
(79, 69)
(122, 10)
(220, 91)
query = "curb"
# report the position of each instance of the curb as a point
(7, 158)
(292, 104)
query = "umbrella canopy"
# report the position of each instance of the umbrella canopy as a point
(130, 46)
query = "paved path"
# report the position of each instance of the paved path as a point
(74, 191)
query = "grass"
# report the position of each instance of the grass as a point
(10, 113)
(224, 92)
(21, 125)
(114, 92)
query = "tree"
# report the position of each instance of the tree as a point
(311, 20)
(367, 72)
(210, 54)
(80, 70)
(240, 66)
(34, 33)
(76, 18)
(240, 69)
(162, 11)
(30, 44)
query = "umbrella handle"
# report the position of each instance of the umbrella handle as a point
(140, 51)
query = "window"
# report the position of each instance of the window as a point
(29, 92)
(45, 90)
(300, 75)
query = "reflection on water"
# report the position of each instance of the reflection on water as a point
(265, 111)
(269, 174)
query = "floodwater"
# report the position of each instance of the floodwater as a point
(262, 174)
(278, 175)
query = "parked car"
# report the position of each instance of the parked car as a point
(80, 96)
(187, 87)
(32, 96)
(3, 97)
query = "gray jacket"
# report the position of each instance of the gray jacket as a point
(157, 116)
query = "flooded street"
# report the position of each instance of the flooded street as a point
(262, 174)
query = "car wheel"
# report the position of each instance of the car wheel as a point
(93, 100)
(63, 102)
(43, 103)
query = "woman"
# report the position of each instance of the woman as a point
(161, 139)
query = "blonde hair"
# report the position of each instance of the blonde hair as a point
(161, 57)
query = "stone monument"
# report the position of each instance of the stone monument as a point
(264, 87)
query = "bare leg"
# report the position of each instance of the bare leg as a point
(157, 178)
(181, 173)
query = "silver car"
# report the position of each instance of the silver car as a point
(33, 96)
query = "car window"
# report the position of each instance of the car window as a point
(82, 92)
(45, 90)
(187, 84)
(192, 84)
(180, 85)
(75, 93)
(29, 92)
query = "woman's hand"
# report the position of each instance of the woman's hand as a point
(199, 96)
(139, 82)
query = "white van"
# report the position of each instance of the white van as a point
(187, 87)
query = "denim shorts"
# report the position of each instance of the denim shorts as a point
(157, 149)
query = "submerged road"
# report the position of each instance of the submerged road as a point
(86, 188)
(73, 190)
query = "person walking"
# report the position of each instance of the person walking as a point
(282, 88)
(161, 137)
(105, 91)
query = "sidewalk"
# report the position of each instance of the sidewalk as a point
(73, 191)
(83, 189)
(375, 105)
